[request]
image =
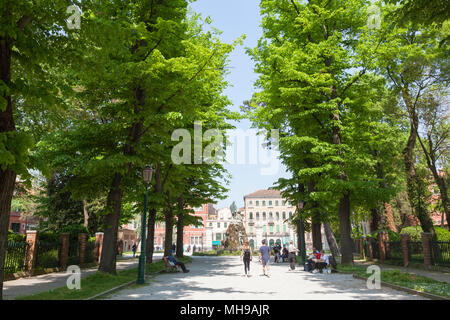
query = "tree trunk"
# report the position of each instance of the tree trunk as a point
(85, 214)
(388, 215)
(316, 235)
(345, 229)
(109, 250)
(169, 230)
(415, 187)
(443, 190)
(7, 175)
(331, 239)
(150, 235)
(374, 219)
(180, 228)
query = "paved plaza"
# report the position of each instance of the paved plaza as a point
(221, 278)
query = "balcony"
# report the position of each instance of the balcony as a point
(251, 222)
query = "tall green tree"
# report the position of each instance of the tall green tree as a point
(316, 87)
(33, 36)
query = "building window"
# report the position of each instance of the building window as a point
(250, 203)
(264, 216)
(15, 227)
(257, 202)
(278, 228)
(251, 215)
(257, 216)
(284, 215)
(225, 225)
(210, 224)
(290, 215)
(284, 228)
(271, 228)
(277, 214)
(264, 229)
(218, 224)
(276, 202)
(284, 202)
(270, 202)
(218, 237)
(270, 215)
(264, 202)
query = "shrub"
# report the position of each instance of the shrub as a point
(15, 237)
(48, 236)
(74, 230)
(414, 233)
(48, 259)
(393, 236)
(442, 234)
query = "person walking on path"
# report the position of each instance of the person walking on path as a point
(292, 254)
(133, 248)
(265, 257)
(246, 256)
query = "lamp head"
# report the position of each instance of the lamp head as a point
(147, 174)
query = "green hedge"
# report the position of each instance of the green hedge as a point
(15, 237)
(442, 234)
(393, 236)
(415, 233)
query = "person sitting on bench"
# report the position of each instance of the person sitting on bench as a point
(176, 262)
(323, 262)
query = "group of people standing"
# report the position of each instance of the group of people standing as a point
(264, 256)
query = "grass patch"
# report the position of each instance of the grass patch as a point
(98, 283)
(404, 279)
(218, 253)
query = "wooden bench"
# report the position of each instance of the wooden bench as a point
(168, 265)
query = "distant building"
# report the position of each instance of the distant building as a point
(267, 216)
(128, 235)
(216, 227)
(192, 235)
(20, 223)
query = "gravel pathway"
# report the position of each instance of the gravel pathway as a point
(221, 278)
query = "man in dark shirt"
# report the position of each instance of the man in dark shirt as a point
(176, 262)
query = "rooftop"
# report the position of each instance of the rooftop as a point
(264, 193)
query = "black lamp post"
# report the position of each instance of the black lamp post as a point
(147, 177)
(302, 233)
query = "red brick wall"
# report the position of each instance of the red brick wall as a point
(188, 231)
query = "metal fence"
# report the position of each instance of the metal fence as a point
(73, 256)
(415, 251)
(90, 251)
(395, 250)
(376, 249)
(441, 253)
(16, 254)
(47, 255)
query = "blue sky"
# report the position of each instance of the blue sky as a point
(234, 18)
